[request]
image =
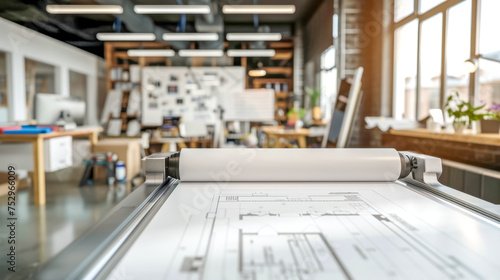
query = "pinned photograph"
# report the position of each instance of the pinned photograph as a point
(173, 89)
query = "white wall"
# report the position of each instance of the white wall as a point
(20, 42)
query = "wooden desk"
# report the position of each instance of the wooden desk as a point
(278, 132)
(319, 123)
(172, 144)
(169, 144)
(481, 150)
(37, 141)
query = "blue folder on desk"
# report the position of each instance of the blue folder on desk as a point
(29, 130)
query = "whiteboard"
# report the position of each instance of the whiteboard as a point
(249, 105)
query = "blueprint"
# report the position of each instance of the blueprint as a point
(311, 231)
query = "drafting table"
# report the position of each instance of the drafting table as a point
(363, 214)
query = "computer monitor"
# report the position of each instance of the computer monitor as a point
(49, 108)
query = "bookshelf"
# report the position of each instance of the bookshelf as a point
(279, 71)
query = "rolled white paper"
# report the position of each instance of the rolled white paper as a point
(288, 165)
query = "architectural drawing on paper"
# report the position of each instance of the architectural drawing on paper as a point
(336, 235)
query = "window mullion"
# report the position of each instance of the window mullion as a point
(418, 87)
(444, 38)
(474, 77)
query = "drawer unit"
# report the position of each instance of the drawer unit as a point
(58, 154)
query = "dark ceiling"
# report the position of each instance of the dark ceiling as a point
(80, 30)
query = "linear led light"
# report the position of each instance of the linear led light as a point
(84, 9)
(126, 36)
(155, 53)
(253, 36)
(172, 9)
(201, 53)
(258, 9)
(257, 73)
(190, 36)
(251, 53)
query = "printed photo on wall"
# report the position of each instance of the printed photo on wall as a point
(172, 90)
(152, 96)
(174, 78)
(153, 105)
(180, 101)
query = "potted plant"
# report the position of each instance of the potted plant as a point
(463, 112)
(314, 95)
(293, 116)
(491, 123)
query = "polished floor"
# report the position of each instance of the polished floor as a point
(43, 231)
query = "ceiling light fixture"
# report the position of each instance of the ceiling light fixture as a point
(190, 36)
(84, 9)
(251, 53)
(151, 52)
(258, 9)
(253, 36)
(201, 53)
(126, 36)
(172, 9)
(257, 73)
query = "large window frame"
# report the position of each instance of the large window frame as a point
(444, 9)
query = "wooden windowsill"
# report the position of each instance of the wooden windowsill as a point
(492, 139)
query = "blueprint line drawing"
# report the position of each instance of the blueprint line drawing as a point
(328, 236)
(324, 231)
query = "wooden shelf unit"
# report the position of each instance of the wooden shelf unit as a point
(280, 71)
(116, 56)
(283, 99)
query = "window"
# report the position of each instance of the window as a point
(402, 9)
(426, 5)
(430, 64)
(40, 78)
(458, 49)
(422, 63)
(4, 109)
(489, 82)
(406, 74)
(489, 24)
(328, 79)
(489, 48)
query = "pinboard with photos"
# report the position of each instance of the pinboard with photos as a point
(193, 93)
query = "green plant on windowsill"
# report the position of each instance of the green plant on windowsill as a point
(463, 112)
(314, 96)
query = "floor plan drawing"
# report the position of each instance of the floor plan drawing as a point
(318, 235)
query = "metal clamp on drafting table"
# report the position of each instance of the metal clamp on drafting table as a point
(160, 166)
(425, 169)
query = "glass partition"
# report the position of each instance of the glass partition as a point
(40, 78)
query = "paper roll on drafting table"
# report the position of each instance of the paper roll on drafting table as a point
(302, 165)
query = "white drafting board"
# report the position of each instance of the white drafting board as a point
(190, 92)
(248, 105)
(314, 230)
(339, 126)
